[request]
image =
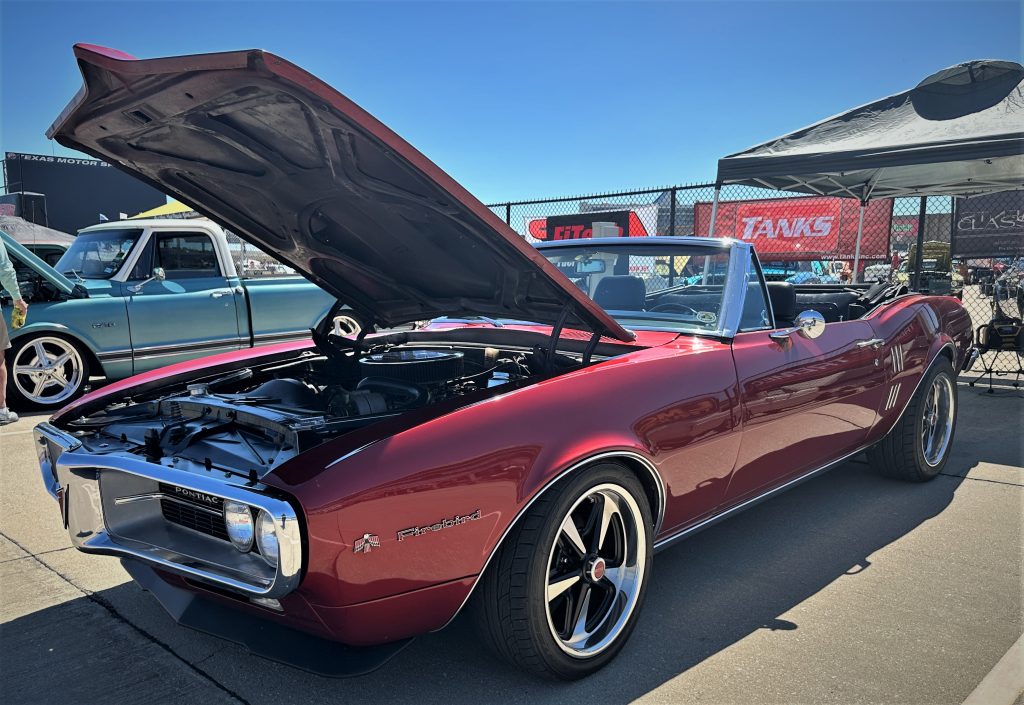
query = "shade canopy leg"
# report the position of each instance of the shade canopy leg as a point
(714, 211)
(856, 249)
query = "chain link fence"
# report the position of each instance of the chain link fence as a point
(968, 248)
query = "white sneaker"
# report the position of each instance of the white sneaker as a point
(7, 416)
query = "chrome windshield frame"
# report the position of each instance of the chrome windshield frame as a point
(737, 273)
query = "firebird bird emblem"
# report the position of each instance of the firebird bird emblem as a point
(443, 524)
(366, 544)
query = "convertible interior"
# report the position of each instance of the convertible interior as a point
(836, 302)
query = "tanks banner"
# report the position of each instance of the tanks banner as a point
(990, 225)
(801, 228)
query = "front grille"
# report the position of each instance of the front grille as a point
(194, 516)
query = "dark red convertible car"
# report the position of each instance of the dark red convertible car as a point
(479, 424)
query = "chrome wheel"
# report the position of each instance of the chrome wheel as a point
(937, 420)
(595, 570)
(48, 371)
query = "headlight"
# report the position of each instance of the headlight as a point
(266, 538)
(238, 520)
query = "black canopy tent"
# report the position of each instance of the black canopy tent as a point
(959, 132)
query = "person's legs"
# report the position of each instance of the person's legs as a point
(3, 381)
(6, 415)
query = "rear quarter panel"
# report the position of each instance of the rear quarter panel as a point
(921, 327)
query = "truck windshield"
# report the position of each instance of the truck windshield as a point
(98, 254)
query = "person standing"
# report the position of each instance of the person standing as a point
(8, 281)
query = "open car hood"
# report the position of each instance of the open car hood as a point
(291, 165)
(18, 251)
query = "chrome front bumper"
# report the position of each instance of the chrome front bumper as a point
(87, 486)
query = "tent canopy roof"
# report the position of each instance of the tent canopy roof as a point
(172, 207)
(958, 132)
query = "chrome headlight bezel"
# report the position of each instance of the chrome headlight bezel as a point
(267, 540)
(237, 530)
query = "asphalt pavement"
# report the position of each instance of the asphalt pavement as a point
(849, 588)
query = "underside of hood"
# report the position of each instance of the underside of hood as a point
(291, 165)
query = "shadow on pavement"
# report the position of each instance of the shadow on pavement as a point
(706, 594)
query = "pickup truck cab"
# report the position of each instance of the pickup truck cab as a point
(130, 296)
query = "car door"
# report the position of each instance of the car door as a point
(192, 312)
(805, 402)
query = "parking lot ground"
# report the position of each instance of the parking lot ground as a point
(849, 588)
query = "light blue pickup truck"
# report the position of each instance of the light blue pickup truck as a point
(129, 296)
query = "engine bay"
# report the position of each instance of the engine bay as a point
(250, 420)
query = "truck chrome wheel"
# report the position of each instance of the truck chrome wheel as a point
(937, 419)
(47, 371)
(595, 570)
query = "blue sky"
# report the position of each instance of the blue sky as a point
(520, 100)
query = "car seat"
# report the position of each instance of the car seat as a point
(621, 293)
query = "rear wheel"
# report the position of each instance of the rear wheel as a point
(918, 446)
(563, 594)
(46, 372)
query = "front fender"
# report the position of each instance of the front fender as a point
(467, 475)
(100, 325)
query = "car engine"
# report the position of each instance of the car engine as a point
(251, 420)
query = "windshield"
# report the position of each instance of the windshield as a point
(98, 254)
(664, 287)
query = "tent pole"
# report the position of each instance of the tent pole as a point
(714, 211)
(915, 281)
(856, 251)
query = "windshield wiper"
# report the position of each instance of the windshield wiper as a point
(76, 275)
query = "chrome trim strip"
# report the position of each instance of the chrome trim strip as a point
(669, 540)
(131, 499)
(179, 347)
(112, 355)
(647, 464)
(285, 335)
(75, 473)
(226, 348)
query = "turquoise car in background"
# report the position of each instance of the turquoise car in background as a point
(130, 296)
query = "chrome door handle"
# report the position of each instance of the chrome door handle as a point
(220, 292)
(873, 343)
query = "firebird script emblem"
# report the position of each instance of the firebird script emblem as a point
(443, 524)
(366, 544)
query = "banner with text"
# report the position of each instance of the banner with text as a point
(801, 228)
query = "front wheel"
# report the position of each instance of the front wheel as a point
(46, 372)
(563, 594)
(917, 447)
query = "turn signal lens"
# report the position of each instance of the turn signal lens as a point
(239, 524)
(266, 538)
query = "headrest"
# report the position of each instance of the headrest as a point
(621, 293)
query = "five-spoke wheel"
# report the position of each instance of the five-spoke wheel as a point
(47, 371)
(562, 595)
(595, 568)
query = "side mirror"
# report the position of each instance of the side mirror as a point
(809, 324)
(159, 275)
